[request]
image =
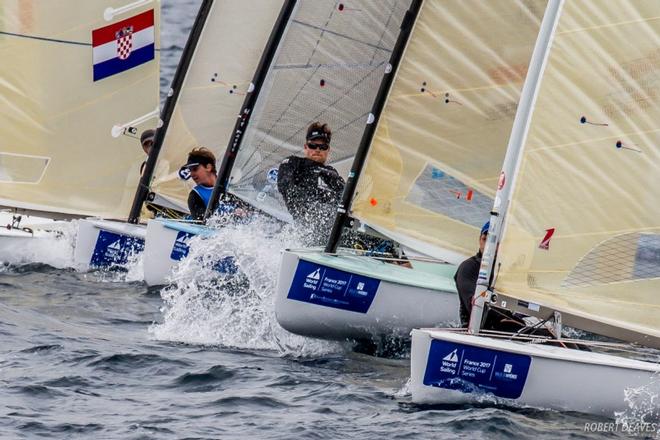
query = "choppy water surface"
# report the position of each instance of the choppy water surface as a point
(101, 356)
(98, 356)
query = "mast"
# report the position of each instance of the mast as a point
(170, 104)
(372, 123)
(224, 173)
(512, 158)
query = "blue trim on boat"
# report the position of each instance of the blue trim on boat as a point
(189, 228)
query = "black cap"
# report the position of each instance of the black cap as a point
(147, 135)
(318, 134)
(194, 160)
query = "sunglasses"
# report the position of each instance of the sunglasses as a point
(322, 147)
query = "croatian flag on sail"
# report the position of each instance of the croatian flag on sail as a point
(123, 45)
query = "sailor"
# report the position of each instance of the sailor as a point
(310, 188)
(147, 141)
(466, 277)
(466, 283)
(201, 166)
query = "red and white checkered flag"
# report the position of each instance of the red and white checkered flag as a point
(124, 42)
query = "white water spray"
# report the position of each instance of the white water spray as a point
(50, 243)
(642, 417)
(208, 307)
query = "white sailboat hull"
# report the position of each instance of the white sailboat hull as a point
(159, 244)
(448, 367)
(166, 244)
(103, 243)
(350, 297)
(12, 240)
(22, 244)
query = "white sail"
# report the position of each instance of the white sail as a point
(582, 233)
(328, 68)
(68, 77)
(223, 64)
(434, 163)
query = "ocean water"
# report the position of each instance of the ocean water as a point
(102, 356)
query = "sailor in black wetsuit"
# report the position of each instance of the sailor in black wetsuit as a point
(466, 278)
(310, 188)
(466, 283)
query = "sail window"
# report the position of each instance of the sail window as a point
(21, 168)
(625, 257)
(444, 194)
(647, 258)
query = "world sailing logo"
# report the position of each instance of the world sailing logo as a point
(312, 280)
(449, 363)
(451, 357)
(114, 250)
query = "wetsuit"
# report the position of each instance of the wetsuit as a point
(466, 283)
(311, 192)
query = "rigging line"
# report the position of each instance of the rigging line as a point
(51, 40)
(353, 121)
(323, 31)
(326, 66)
(594, 140)
(337, 34)
(279, 147)
(344, 95)
(288, 106)
(382, 35)
(269, 131)
(608, 25)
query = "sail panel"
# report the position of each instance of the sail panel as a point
(223, 65)
(435, 160)
(56, 149)
(582, 233)
(328, 68)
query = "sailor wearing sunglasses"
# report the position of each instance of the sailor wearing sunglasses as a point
(310, 188)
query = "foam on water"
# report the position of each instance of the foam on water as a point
(53, 244)
(207, 307)
(642, 417)
(131, 272)
(52, 248)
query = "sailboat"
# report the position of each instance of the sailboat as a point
(325, 63)
(77, 90)
(433, 152)
(209, 87)
(574, 235)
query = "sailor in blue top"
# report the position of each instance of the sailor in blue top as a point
(201, 165)
(201, 168)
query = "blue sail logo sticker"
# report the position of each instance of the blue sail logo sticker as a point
(328, 287)
(471, 369)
